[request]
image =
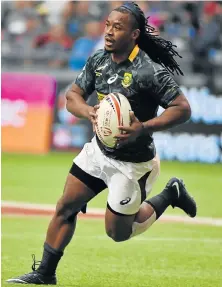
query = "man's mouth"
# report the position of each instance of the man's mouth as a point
(109, 41)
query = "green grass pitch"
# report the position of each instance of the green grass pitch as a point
(40, 179)
(167, 255)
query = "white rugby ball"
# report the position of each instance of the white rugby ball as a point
(114, 110)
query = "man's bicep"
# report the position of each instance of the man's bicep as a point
(76, 89)
(86, 79)
(164, 88)
(180, 101)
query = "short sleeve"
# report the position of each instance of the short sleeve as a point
(86, 79)
(164, 88)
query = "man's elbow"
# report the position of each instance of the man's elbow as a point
(68, 101)
(186, 111)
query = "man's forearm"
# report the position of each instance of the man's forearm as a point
(76, 105)
(170, 118)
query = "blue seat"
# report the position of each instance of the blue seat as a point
(81, 50)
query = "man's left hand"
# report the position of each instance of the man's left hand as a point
(130, 133)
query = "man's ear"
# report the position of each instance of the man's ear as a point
(135, 34)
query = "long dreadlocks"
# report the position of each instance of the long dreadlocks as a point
(158, 49)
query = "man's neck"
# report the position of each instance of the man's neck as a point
(121, 57)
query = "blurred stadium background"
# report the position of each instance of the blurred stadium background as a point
(44, 46)
(55, 38)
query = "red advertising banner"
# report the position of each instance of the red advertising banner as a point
(27, 112)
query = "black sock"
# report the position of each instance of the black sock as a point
(50, 260)
(160, 202)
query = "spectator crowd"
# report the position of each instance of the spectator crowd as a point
(62, 34)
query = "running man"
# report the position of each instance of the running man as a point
(137, 64)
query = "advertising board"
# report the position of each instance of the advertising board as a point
(27, 112)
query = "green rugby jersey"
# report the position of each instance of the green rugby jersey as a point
(146, 84)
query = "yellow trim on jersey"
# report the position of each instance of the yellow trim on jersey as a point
(134, 53)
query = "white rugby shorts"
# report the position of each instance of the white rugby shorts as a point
(128, 183)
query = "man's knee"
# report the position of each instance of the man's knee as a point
(65, 211)
(118, 235)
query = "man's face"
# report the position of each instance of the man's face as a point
(118, 32)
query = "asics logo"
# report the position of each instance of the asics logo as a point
(112, 79)
(177, 187)
(125, 201)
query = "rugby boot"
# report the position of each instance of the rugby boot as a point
(34, 277)
(180, 197)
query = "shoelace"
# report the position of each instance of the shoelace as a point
(35, 263)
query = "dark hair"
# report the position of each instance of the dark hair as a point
(158, 49)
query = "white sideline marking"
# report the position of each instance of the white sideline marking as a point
(101, 212)
(37, 206)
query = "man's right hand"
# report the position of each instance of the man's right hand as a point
(93, 115)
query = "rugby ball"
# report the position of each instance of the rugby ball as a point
(114, 110)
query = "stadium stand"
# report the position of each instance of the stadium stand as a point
(58, 36)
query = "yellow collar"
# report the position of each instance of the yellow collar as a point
(134, 53)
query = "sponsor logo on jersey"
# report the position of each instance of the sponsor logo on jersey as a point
(100, 96)
(127, 80)
(98, 74)
(112, 79)
(98, 70)
(102, 67)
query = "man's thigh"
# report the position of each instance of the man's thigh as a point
(126, 195)
(128, 190)
(124, 200)
(83, 182)
(75, 195)
(79, 189)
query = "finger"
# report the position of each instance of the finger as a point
(94, 122)
(132, 117)
(125, 129)
(122, 136)
(93, 115)
(96, 107)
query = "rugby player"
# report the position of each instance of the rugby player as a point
(137, 64)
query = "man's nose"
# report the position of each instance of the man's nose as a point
(109, 31)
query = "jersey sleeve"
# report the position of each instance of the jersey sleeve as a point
(86, 79)
(164, 88)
